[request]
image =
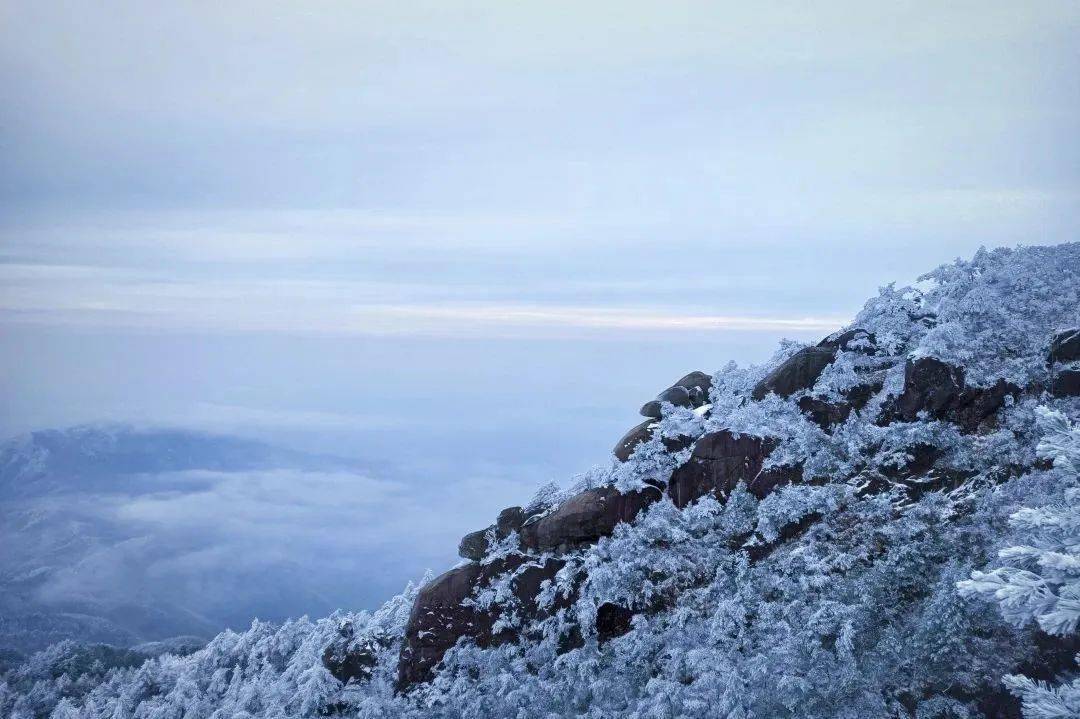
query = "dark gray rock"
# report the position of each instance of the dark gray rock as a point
(860, 394)
(527, 583)
(720, 461)
(697, 397)
(351, 658)
(625, 446)
(509, 520)
(474, 545)
(824, 414)
(696, 379)
(643, 433)
(1065, 347)
(939, 389)
(438, 619)
(651, 409)
(798, 372)
(849, 339)
(586, 517)
(931, 386)
(678, 396)
(612, 621)
(1067, 383)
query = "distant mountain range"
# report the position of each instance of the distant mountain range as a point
(94, 549)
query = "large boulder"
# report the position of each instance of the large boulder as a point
(939, 389)
(720, 461)
(678, 396)
(351, 658)
(641, 433)
(798, 372)
(696, 380)
(850, 340)
(438, 619)
(474, 545)
(586, 517)
(527, 583)
(509, 520)
(824, 413)
(1067, 383)
(652, 409)
(1065, 347)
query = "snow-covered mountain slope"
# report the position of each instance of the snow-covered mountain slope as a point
(816, 536)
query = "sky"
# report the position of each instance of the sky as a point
(468, 240)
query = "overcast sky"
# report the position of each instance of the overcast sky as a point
(471, 239)
(358, 167)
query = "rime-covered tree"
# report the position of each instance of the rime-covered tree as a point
(1040, 579)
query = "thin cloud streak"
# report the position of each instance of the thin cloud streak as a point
(596, 317)
(405, 320)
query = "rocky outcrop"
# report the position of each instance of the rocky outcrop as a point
(678, 396)
(939, 390)
(696, 379)
(692, 390)
(586, 517)
(625, 446)
(851, 340)
(1065, 346)
(443, 614)
(643, 433)
(720, 461)
(1067, 383)
(350, 658)
(438, 619)
(509, 520)
(823, 413)
(474, 545)
(612, 621)
(652, 409)
(798, 372)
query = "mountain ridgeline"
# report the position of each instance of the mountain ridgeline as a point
(885, 523)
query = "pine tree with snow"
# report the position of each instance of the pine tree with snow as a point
(1040, 581)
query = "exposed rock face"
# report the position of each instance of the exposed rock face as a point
(510, 520)
(643, 433)
(625, 446)
(1067, 383)
(798, 372)
(824, 414)
(586, 517)
(474, 545)
(612, 621)
(849, 340)
(696, 379)
(1065, 347)
(350, 658)
(938, 389)
(652, 409)
(438, 620)
(526, 585)
(678, 396)
(719, 462)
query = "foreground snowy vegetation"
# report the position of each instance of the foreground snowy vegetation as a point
(912, 563)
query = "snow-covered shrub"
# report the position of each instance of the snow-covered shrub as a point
(1040, 582)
